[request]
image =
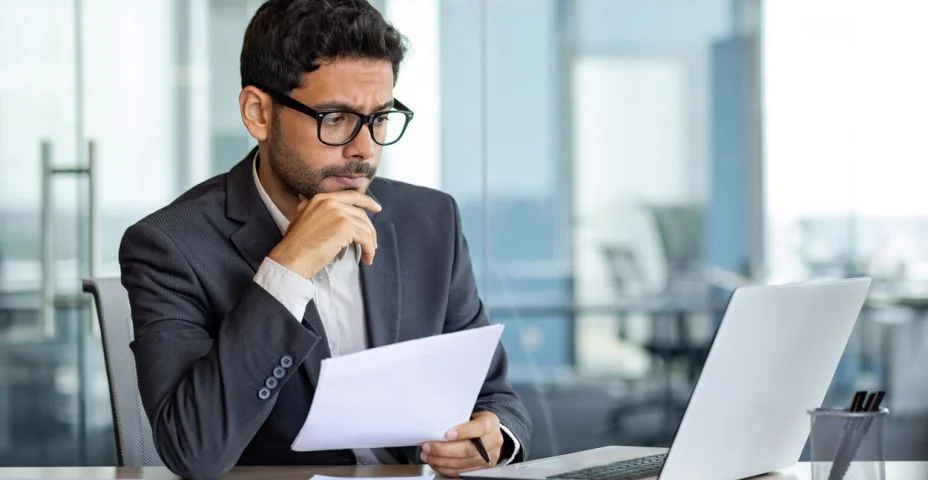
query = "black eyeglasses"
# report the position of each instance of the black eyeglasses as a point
(339, 127)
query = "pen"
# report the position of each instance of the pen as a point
(858, 401)
(878, 400)
(868, 405)
(478, 444)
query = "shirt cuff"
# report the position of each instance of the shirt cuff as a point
(515, 449)
(291, 289)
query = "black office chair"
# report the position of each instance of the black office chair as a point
(135, 446)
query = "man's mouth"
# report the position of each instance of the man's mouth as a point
(351, 181)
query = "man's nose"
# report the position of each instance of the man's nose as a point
(362, 147)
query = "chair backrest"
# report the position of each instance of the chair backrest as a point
(135, 444)
(680, 229)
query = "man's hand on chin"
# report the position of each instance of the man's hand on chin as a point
(458, 454)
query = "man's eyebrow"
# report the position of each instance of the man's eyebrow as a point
(347, 107)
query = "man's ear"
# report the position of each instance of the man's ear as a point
(255, 106)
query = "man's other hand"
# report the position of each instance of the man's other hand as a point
(458, 454)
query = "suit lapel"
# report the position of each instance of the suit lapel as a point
(255, 239)
(380, 286)
(258, 233)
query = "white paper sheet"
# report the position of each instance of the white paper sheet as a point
(398, 395)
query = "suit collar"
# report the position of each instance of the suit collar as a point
(242, 199)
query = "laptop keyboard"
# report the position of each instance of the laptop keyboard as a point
(640, 467)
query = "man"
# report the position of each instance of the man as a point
(243, 285)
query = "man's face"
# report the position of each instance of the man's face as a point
(299, 159)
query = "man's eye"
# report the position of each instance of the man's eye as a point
(334, 118)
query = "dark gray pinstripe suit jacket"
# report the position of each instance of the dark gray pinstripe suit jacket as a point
(207, 337)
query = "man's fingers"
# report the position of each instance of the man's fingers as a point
(458, 449)
(453, 463)
(463, 449)
(448, 472)
(303, 203)
(365, 238)
(359, 215)
(356, 199)
(479, 426)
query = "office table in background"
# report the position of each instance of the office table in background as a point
(801, 471)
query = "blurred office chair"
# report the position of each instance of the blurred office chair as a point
(680, 228)
(670, 343)
(653, 393)
(627, 278)
(135, 444)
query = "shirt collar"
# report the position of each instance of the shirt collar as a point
(279, 218)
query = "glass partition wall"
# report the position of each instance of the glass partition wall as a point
(108, 109)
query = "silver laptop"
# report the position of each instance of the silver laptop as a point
(772, 359)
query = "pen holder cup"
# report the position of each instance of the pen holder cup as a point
(847, 445)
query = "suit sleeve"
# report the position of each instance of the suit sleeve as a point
(206, 389)
(465, 310)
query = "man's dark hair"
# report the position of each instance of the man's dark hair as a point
(287, 38)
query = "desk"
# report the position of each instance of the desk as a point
(894, 471)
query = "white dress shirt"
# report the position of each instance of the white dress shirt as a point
(336, 291)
